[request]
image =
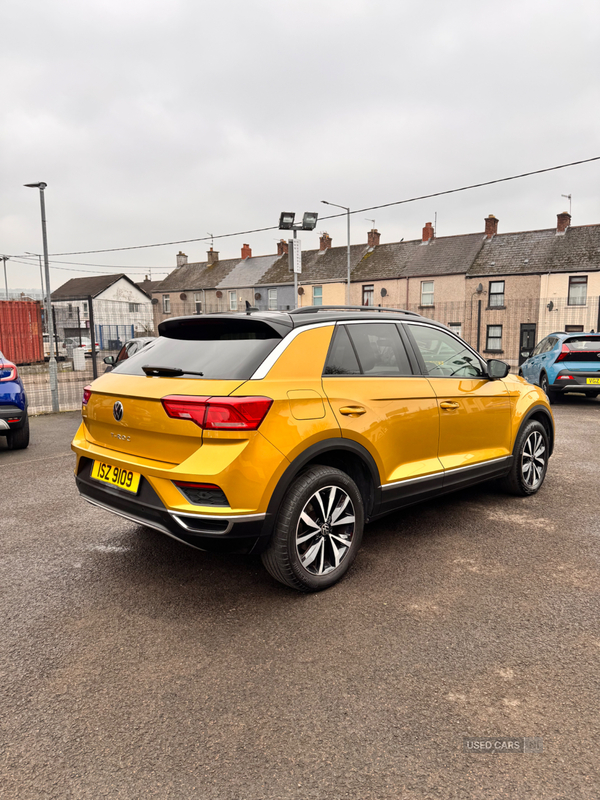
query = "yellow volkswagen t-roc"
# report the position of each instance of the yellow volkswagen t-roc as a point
(284, 433)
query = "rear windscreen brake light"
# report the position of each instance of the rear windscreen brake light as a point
(219, 413)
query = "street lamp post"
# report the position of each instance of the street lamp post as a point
(50, 322)
(286, 223)
(5, 259)
(347, 210)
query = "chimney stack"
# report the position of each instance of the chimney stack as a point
(282, 247)
(212, 257)
(246, 251)
(428, 233)
(491, 226)
(325, 241)
(562, 223)
(373, 237)
(181, 259)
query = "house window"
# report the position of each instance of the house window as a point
(494, 338)
(134, 308)
(70, 311)
(577, 290)
(198, 302)
(496, 294)
(573, 328)
(368, 293)
(272, 294)
(317, 295)
(166, 303)
(233, 301)
(456, 327)
(85, 309)
(426, 293)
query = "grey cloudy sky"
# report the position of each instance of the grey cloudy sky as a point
(162, 120)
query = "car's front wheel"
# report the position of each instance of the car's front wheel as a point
(530, 460)
(318, 531)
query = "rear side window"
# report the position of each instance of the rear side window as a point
(219, 349)
(372, 349)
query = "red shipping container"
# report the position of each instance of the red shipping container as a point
(21, 331)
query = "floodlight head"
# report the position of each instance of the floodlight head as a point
(40, 185)
(286, 220)
(309, 220)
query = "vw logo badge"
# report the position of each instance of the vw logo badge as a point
(118, 411)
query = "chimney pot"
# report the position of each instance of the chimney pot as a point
(373, 237)
(325, 241)
(212, 257)
(428, 232)
(562, 222)
(182, 259)
(246, 251)
(491, 226)
(282, 247)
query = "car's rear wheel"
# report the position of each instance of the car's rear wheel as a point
(545, 387)
(318, 531)
(531, 453)
(18, 439)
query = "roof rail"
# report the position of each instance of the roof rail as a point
(367, 309)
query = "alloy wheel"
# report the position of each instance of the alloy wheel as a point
(325, 530)
(533, 460)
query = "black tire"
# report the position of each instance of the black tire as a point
(19, 439)
(309, 561)
(544, 386)
(523, 480)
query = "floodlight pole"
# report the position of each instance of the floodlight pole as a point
(347, 210)
(50, 322)
(286, 223)
(5, 259)
(296, 278)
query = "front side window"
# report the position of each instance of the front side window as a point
(272, 299)
(426, 293)
(368, 293)
(166, 303)
(496, 294)
(443, 355)
(233, 301)
(494, 337)
(317, 295)
(372, 349)
(577, 290)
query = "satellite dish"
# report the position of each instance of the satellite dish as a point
(219, 295)
(257, 296)
(383, 292)
(300, 290)
(479, 289)
(183, 296)
(155, 301)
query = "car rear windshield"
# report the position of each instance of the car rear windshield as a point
(583, 343)
(218, 349)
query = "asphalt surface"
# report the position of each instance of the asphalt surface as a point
(134, 667)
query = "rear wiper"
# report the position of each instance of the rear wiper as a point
(168, 372)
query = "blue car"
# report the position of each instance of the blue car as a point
(14, 422)
(565, 362)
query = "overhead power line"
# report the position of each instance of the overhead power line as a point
(333, 216)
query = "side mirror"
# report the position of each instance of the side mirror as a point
(497, 369)
(109, 360)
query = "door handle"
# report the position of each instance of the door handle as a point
(448, 405)
(352, 411)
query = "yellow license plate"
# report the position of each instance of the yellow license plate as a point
(592, 380)
(116, 476)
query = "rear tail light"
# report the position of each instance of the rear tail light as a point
(87, 393)
(202, 494)
(564, 377)
(8, 372)
(563, 353)
(219, 413)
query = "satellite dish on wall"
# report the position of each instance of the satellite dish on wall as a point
(155, 301)
(183, 296)
(479, 289)
(257, 296)
(219, 294)
(300, 290)
(383, 292)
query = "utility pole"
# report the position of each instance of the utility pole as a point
(5, 259)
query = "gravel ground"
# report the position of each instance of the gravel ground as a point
(134, 667)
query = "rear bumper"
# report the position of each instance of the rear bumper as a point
(12, 417)
(212, 532)
(574, 381)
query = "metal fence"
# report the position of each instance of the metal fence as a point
(508, 332)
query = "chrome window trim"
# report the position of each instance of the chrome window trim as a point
(274, 355)
(407, 481)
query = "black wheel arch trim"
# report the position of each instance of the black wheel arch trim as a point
(533, 411)
(310, 454)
